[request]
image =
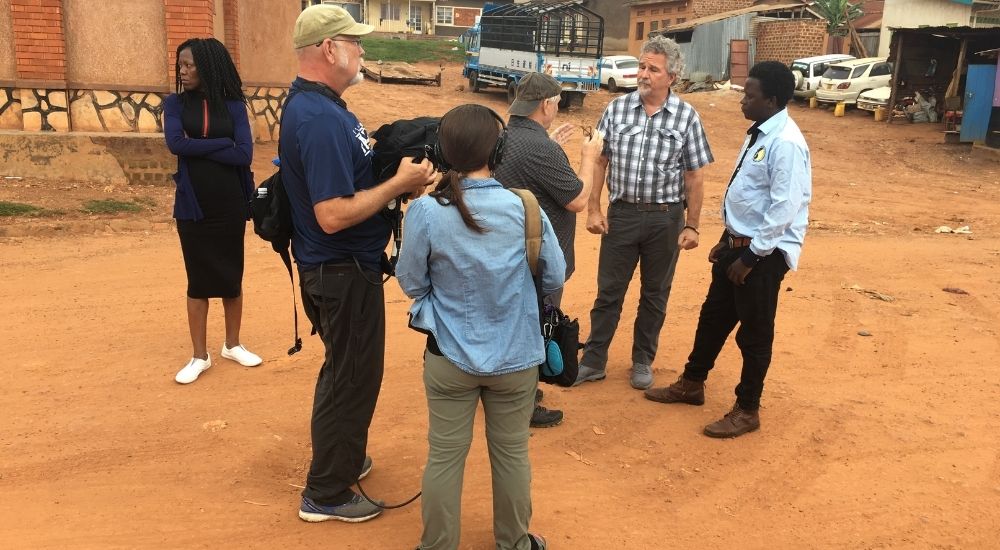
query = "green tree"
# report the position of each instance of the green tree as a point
(837, 14)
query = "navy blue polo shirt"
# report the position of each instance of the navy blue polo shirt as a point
(325, 154)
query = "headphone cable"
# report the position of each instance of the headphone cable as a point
(386, 506)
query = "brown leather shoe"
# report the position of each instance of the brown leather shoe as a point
(681, 391)
(736, 423)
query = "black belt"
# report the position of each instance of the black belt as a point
(646, 206)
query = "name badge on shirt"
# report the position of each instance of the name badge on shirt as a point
(759, 155)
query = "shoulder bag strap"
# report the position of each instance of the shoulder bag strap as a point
(532, 227)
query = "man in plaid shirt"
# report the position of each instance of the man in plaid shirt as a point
(655, 148)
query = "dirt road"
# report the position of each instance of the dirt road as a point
(880, 441)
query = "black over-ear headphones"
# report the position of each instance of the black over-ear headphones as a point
(496, 156)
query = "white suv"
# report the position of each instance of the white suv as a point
(845, 81)
(808, 71)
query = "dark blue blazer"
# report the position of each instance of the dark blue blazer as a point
(235, 152)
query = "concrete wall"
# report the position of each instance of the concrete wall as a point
(8, 67)
(266, 53)
(115, 159)
(789, 39)
(219, 23)
(914, 13)
(118, 46)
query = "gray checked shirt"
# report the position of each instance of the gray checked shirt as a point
(649, 154)
(534, 162)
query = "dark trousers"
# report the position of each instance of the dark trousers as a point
(349, 314)
(648, 239)
(753, 306)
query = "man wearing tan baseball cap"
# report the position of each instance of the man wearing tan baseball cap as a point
(338, 242)
(322, 21)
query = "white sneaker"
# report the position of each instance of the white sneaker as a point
(241, 355)
(193, 370)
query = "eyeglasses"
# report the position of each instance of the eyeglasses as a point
(356, 41)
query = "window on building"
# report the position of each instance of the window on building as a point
(389, 11)
(665, 23)
(681, 20)
(641, 12)
(445, 15)
(638, 31)
(668, 9)
(653, 26)
(654, 12)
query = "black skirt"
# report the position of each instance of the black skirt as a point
(213, 245)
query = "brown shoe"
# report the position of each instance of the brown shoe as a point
(681, 391)
(736, 423)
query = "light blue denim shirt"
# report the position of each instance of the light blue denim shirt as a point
(768, 200)
(474, 291)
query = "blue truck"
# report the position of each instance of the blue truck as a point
(561, 38)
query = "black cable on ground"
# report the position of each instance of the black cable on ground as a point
(386, 506)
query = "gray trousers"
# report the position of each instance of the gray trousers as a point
(648, 239)
(452, 398)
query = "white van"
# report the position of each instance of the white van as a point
(809, 70)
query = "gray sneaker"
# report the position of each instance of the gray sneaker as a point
(642, 376)
(366, 468)
(589, 374)
(355, 510)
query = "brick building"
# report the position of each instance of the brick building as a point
(66, 66)
(780, 31)
(786, 40)
(649, 16)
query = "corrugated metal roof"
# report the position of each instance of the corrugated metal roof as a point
(708, 51)
(644, 2)
(950, 31)
(688, 25)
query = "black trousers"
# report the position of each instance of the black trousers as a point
(753, 306)
(349, 314)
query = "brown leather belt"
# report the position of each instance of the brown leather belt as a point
(733, 241)
(646, 206)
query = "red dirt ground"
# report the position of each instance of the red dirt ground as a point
(880, 441)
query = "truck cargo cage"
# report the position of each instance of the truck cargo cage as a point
(555, 27)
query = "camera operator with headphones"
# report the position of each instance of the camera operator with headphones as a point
(338, 242)
(463, 261)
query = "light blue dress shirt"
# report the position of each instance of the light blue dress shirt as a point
(768, 200)
(474, 291)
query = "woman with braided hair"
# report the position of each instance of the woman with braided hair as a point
(206, 126)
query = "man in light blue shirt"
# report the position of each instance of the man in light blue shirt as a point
(766, 211)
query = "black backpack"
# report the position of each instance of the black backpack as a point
(403, 138)
(271, 213)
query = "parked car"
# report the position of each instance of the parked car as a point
(846, 80)
(873, 99)
(809, 70)
(619, 71)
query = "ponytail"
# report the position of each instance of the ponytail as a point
(449, 192)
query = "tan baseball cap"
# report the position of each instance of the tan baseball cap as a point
(531, 90)
(322, 21)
